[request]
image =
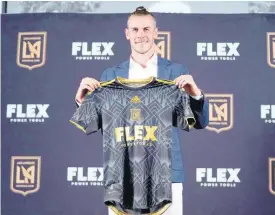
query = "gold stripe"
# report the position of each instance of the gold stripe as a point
(141, 81)
(161, 211)
(169, 82)
(107, 82)
(102, 84)
(116, 211)
(166, 81)
(78, 126)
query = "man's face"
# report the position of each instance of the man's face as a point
(141, 32)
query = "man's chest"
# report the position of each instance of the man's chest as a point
(140, 72)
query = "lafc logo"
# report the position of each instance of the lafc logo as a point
(272, 175)
(135, 114)
(163, 44)
(25, 174)
(271, 49)
(220, 112)
(31, 49)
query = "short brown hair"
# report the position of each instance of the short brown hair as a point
(141, 11)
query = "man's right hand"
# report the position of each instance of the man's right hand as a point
(86, 85)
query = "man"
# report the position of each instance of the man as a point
(141, 31)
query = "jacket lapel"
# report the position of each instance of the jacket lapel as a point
(123, 70)
(163, 71)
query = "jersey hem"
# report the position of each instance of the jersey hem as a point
(158, 212)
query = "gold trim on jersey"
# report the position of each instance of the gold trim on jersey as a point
(107, 82)
(165, 81)
(159, 212)
(102, 84)
(116, 211)
(140, 81)
(168, 82)
(78, 126)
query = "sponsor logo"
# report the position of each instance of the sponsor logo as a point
(220, 112)
(135, 114)
(29, 113)
(135, 99)
(80, 176)
(139, 135)
(268, 113)
(31, 49)
(220, 177)
(25, 174)
(163, 44)
(92, 50)
(271, 49)
(218, 51)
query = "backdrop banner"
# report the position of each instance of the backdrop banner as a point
(49, 167)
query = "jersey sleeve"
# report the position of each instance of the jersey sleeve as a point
(88, 116)
(183, 116)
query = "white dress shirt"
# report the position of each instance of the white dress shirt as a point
(138, 71)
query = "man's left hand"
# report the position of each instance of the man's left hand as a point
(187, 82)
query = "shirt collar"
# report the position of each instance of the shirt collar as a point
(151, 62)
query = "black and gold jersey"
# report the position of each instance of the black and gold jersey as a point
(136, 118)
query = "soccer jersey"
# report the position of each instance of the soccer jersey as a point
(136, 118)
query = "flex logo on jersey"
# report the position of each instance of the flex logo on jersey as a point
(139, 132)
(31, 49)
(220, 112)
(271, 49)
(25, 174)
(272, 175)
(163, 44)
